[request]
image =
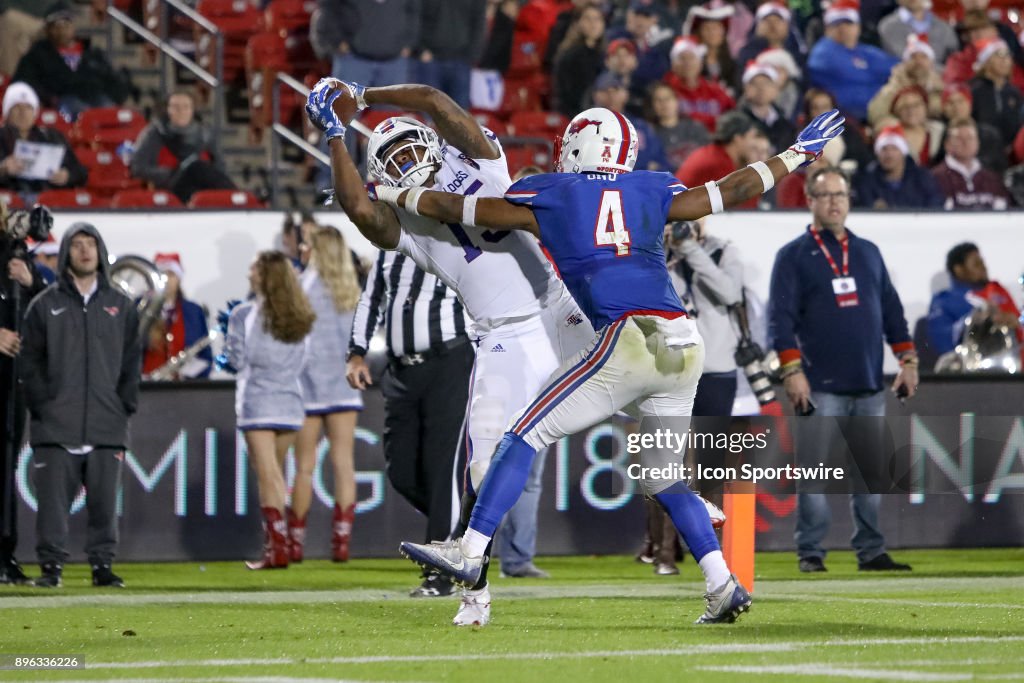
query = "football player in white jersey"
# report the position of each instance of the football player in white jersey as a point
(525, 327)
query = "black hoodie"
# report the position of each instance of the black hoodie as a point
(80, 362)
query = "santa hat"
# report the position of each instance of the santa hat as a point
(843, 10)
(892, 135)
(781, 60)
(624, 43)
(954, 89)
(20, 93)
(170, 262)
(776, 8)
(687, 44)
(908, 90)
(918, 43)
(715, 10)
(986, 48)
(755, 69)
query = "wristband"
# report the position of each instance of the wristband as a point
(412, 200)
(767, 179)
(792, 159)
(469, 210)
(715, 196)
(388, 195)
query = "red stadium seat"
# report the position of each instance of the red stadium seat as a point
(522, 154)
(224, 199)
(108, 127)
(541, 124)
(70, 199)
(12, 200)
(108, 179)
(236, 20)
(145, 199)
(287, 16)
(490, 121)
(51, 118)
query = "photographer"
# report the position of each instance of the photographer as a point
(19, 282)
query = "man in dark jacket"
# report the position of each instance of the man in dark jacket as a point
(178, 153)
(965, 182)
(452, 36)
(370, 40)
(68, 73)
(894, 180)
(81, 359)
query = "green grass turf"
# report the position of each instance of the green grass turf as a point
(958, 616)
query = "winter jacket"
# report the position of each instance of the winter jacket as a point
(161, 149)
(45, 70)
(971, 187)
(373, 29)
(1002, 108)
(841, 347)
(916, 190)
(77, 172)
(854, 75)
(80, 362)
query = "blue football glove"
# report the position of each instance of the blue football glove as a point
(222, 316)
(319, 108)
(222, 363)
(358, 93)
(818, 133)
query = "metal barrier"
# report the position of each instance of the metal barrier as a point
(214, 80)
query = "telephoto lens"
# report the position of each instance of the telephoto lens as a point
(749, 356)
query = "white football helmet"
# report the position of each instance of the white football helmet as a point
(421, 141)
(598, 140)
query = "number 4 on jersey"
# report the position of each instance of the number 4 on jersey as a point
(611, 224)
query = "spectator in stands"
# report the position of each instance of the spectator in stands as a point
(699, 98)
(917, 68)
(69, 73)
(789, 73)
(565, 19)
(895, 180)
(773, 32)
(372, 39)
(709, 24)
(957, 103)
(1001, 21)
(609, 92)
(914, 18)
(652, 41)
(923, 134)
(451, 41)
(969, 290)
(182, 323)
(178, 153)
(20, 22)
(760, 90)
(579, 60)
(831, 304)
(840, 63)
(487, 81)
(265, 344)
(851, 149)
(20, 114)
(735, 144)
(996, 100)
(961, 177)
(679, 134)
(46, 259)
(976, 26)
(620, 59)
(81, 388)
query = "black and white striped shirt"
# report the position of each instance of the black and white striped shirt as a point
(418, 311)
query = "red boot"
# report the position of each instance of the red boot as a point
(296, 535)
(275, 543)
(341, 532)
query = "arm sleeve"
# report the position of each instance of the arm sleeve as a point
(784, 309)
(144, 160)
(894, 322)
(32, 360)
(369, 310)
(131, 361)
(234, 341)
(722, 281)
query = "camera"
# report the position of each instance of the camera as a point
(757, 369)
(35, 223)
(682, 230)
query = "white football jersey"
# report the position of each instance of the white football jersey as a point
(497, 274)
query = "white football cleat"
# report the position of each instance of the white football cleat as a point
(725, 604)
(475, 609)
(445, 557)
(714, 512)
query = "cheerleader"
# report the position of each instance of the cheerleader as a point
(332, 285)
(266, 347)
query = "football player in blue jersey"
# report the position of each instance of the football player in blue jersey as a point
(602, 224)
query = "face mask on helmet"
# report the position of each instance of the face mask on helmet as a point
(403, 152)
(597, 140)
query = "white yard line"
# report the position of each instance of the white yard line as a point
(838, 671)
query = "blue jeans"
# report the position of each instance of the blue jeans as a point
(370, 72)
(517, 538)
(448, 76)
(813, 513)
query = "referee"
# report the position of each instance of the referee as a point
(425, 387)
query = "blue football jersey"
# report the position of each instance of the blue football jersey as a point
(604, 233)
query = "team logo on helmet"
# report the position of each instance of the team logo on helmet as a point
(579, 124)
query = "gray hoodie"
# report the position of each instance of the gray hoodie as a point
(80, 362)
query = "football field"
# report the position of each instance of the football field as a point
(958, 616)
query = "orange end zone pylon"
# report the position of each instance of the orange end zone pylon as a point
(738, 534)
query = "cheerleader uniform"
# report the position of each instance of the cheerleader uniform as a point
(324, 387)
